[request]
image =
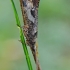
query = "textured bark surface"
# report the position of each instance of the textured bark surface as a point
(30, 18)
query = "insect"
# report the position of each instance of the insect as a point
(30, 17)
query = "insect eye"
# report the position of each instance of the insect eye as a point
(24, 4)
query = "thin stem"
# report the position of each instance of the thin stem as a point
(22, 38)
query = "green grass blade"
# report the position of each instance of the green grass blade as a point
(16, 14)
(22, 38)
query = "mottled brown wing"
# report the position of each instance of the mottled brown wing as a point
(36, 2)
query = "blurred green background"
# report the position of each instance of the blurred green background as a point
(53, 36)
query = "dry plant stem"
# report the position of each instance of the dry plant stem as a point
(22, 38)
(35, 55)
(29, 10)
